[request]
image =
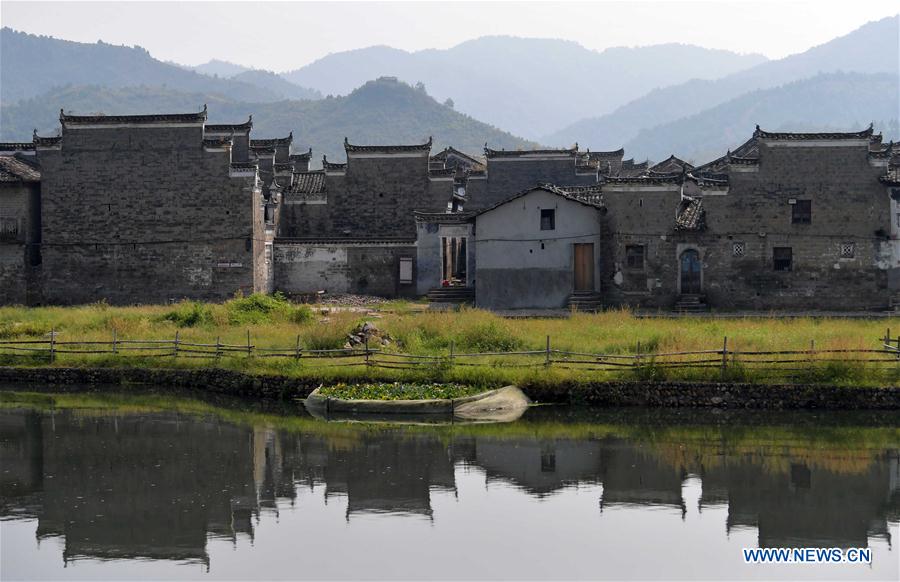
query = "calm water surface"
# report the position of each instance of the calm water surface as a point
(116, 487)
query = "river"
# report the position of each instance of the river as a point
(156, 486)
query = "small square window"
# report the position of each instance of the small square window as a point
(548, 219)
(801, 212)
(406, 269)
(848, 250)
(898, 219)
(634, 256)
(782, 258)
(738, 249)
(268, 253)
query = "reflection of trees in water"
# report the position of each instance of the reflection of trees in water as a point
(157, 485)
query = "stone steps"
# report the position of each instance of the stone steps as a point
(585, 301)
(452, 295)
(691, 304)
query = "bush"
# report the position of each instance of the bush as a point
(255, 308)
(302, 314)
(189, 314)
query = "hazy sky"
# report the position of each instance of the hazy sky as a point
(286, 35)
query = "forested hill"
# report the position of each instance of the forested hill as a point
(32, 65)
(384, 111)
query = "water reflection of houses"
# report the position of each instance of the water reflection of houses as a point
(381, 471)
(806, 505)
(159, 485)
(137, 486)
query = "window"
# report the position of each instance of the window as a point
(782, 258)
(634, 256)
(848, 250)
(548, 219)
(406, 269)
(268, 253)
(738, 249)
(801, 212)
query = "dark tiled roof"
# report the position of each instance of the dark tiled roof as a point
(589, 196)
(864, 134)
(489, 153)
(655, 179)
(16, 146)
(691, 215)
(886, 153)
(443, 154)
(891, 178)
(709, 179)
(236, 127)
(244, 165)
(443, 217)
(388, 149)
(15, 170)
(670, 165)
(216, 142)
(591, 168)
(46, 141)
(613, 155)
(326, 165)
(742, 161)
(263, 150)
(286, 167)
(308, 183)
(441, 172)
(272, 142)
(304, 157)
(200, 117)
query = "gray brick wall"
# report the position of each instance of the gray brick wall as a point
(144, 214)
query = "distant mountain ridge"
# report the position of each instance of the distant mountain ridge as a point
(33, 64)
(872, 48)
(826, 102)
(526, 85)
(384, 111)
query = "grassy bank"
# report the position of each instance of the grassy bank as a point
(273, 322)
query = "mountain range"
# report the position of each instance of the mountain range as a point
(528, 86)
(653, 100)
(872, 48)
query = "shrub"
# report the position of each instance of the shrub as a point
(301, 314)
(255, 308)
(189, 314)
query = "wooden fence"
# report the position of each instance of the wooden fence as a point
(887, 353)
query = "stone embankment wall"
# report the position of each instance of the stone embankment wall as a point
(607, 394)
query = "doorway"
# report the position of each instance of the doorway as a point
(691, 271)
(584, 266)
(453, 261)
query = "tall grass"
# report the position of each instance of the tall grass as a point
(272, 321)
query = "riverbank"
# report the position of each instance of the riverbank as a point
(396, 341)
(721, 395)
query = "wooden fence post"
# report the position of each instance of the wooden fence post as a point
(248, 344)
(366, 336)
(175, 349)
(451, 352)
(298, 347)
(724, 355)
(218, 347)
(52, 344)
(115, 351)
(637, 356)
(547, 361)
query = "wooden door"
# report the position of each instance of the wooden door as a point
(690, 272)
(584, 266)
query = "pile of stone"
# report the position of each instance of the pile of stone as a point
(357, 338)
(351, 300)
